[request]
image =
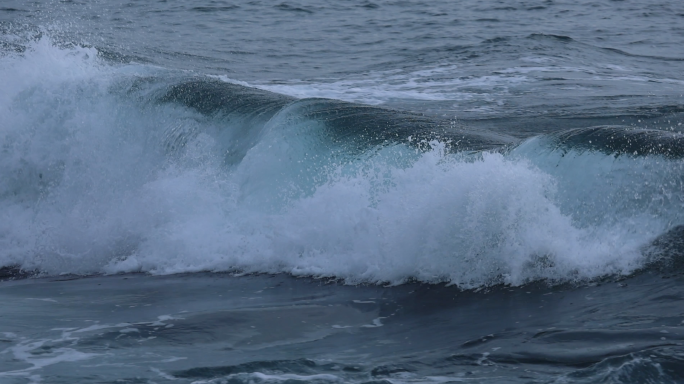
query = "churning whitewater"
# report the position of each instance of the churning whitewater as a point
(112, 167)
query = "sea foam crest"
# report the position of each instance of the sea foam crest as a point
(87, 186)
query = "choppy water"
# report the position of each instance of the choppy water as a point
(498, 148)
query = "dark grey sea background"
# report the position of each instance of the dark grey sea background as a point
(387, 192)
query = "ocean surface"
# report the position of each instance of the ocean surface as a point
(379, 192)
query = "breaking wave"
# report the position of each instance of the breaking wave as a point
(109, 168)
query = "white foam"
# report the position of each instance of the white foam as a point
(87, 187)
(48, 300)
(439, 83)
(63, 347)
(258, 377)
(441, 219)
(376, 323)
(24, 352)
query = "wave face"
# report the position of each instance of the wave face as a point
(109, 168)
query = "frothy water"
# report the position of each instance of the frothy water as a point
(90, 184)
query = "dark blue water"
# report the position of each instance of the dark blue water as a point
(386, 192)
